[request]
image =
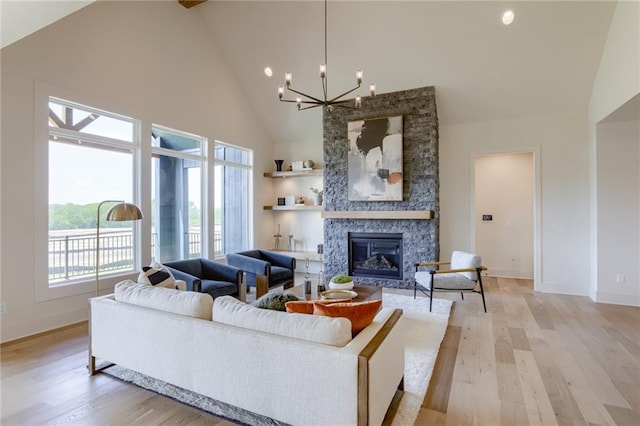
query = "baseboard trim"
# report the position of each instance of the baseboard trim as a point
(499, 273)
(50, 323)
(43, 333)
(618, 299)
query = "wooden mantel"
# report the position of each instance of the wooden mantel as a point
(386, 214)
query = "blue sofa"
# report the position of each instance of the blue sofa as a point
(207, 276)
(264, 269)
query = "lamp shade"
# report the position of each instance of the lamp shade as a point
(124, 211)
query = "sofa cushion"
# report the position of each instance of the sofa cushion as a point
(218, 288)
(318, 329)
(306, 306)
(197, 305)
(275, 301)
(279, 274)
(360, 314)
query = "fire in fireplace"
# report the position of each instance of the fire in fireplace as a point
(377, 255)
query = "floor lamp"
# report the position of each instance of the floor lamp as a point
(118, 213)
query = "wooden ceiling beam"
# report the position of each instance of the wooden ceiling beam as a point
(190, 3)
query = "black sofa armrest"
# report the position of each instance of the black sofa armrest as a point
(279, 259)
(193, 283)
(220, 271)
(249, 264)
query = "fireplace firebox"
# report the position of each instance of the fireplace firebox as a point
(375, 255)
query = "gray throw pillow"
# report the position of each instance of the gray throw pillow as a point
(275, 301)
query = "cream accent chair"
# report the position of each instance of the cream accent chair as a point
(464, 275)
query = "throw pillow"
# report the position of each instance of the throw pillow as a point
(306, 306)
(275, 301)
(156, 278)
(360, 314)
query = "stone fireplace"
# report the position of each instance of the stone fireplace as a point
(415, 219)
(375, 254)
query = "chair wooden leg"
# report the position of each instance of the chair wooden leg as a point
(462, 295)
(261, 286)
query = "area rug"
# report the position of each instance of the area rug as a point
(424, 333)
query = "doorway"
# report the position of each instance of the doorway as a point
(504, 213)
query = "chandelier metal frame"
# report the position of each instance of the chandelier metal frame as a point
(312, 101)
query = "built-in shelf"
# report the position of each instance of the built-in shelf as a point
(299, 173)
(387, 214)
(298, 208)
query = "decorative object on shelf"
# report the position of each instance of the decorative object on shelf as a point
(308, 164)
(299, 200)
(377, 171)
(320, 248)
(307, 278)
(318, 195)
(279, 165)
(290, 200)
(290, 242)
(341, 282)
(281, 201)
(299, 166)
(119, 213)
(277, 237)
(327, 102)
(321, 286)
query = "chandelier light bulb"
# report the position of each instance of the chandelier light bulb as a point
(280, 92)
(359, 75)
(287, 79)
(268, 71)
(323, 70)
(508, 17)
(358, 101)
(372, 90)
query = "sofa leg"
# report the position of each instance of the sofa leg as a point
(92, 365)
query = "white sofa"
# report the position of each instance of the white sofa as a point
(296, 368)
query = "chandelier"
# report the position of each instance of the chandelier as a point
(305, 101)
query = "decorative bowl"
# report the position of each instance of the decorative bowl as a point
(340, 285)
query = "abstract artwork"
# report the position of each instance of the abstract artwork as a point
(375, 159)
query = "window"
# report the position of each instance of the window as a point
(232, 200)
(91, 159)
(177, 205)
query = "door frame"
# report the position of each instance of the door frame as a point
(537, 216)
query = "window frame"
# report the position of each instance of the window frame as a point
(204, 172)
(250, 202)
(43, 94)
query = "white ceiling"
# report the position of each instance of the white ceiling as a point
(544, 63)
(19, 18)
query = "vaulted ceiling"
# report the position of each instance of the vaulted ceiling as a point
(544, 63)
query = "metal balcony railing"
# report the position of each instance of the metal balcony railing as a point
(74, 255)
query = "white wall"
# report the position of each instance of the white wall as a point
(618, 212)
(306, 227)
(563, 240)
(617, 81)
(150, 60)
(504, 188)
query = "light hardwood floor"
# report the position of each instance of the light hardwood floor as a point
(533, 359)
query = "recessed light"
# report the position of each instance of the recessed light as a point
(507, 17)
(268, 71)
